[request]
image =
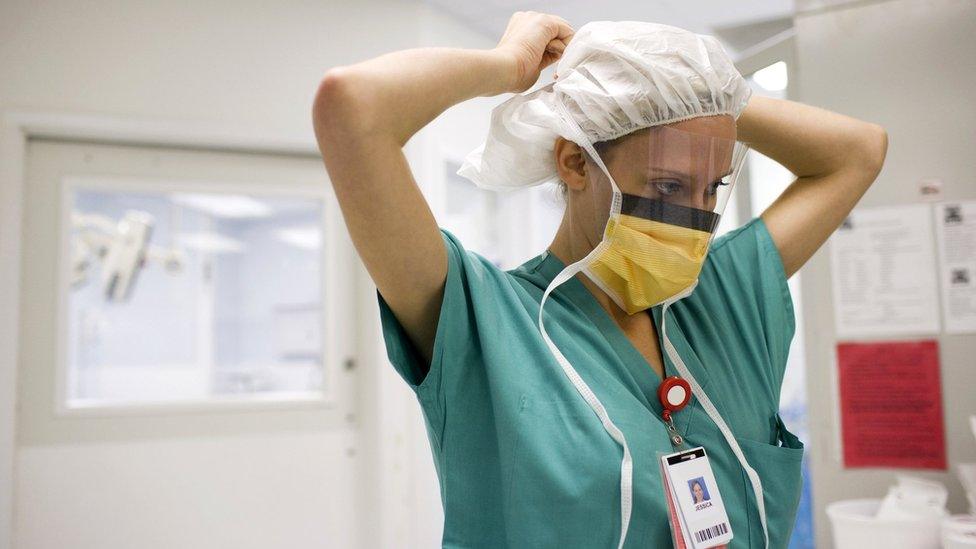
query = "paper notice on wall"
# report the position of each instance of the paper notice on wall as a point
(891, 404)
(884, 274)
(956, 231)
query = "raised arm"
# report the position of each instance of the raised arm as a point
(835, 159)
(364, 113)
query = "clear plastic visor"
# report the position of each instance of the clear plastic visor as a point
(679, 177)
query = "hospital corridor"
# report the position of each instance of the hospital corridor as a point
(406, 274)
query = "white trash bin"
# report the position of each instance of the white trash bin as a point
(856, 527)
(959, 541)
(959, 532)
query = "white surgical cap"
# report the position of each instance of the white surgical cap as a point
(614, 78)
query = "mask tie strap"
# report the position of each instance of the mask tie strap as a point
(583, 141)
(626, 462)
(713, 414)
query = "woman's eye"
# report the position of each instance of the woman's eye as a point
(713, 189)
(668, 188)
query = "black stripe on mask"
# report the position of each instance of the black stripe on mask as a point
(672, 214)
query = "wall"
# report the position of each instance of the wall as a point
(243, 64)
(909, 65)
(253, 67)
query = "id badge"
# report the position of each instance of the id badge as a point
(696, 511)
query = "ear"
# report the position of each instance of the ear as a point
(570, 164)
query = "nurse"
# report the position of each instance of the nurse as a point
(546, 388)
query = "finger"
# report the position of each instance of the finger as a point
(564, 29)
(550, 57)
(556, 47)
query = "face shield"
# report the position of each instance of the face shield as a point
(658, 195)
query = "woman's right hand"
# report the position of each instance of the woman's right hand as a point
(532, 42)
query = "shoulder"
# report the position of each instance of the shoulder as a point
(746, 258)
(753, 232)
(471, 268)
(476, 290)
(743, 280)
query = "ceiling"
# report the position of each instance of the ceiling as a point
(737, 24)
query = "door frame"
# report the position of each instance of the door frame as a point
(783, 47)
(17, 128)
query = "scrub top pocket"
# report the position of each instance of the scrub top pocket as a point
(780, 469)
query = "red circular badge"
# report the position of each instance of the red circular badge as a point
(674, 393)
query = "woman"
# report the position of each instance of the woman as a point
(697, 492)
(518, 412)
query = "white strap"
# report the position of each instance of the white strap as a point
(716, 417)
(584, 141)
(626, 464)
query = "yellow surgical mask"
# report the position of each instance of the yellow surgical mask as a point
(646, 262)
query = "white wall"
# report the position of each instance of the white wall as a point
(253, 66)
(247, 64)
(909, 65)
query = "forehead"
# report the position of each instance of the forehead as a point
(691, 147)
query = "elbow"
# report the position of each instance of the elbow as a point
(873, 150)
(336, 108)
(333, 88)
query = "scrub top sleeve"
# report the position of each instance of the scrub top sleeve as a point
(749, 256)
(454, 329)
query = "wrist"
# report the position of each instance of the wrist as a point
(502, 73)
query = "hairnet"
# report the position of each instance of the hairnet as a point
(614, 78)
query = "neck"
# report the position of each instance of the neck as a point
(571, 245)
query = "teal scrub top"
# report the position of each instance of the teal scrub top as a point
(524, 462)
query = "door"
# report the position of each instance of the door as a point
(184, 376)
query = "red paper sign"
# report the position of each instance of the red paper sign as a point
(891, 404)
